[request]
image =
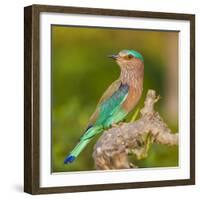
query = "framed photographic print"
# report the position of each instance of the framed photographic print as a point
(109, 99)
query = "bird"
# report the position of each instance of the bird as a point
(117, 101)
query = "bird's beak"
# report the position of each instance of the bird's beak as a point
(113, 56)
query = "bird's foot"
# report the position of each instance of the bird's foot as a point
(116, 125)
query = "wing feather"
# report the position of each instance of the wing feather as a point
(111, 99)
(108, 93)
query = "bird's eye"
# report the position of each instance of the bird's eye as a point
(129, 56)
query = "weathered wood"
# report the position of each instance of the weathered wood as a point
(112, 149)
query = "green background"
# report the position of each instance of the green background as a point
(81, 72)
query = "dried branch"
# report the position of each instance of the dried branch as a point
(112, 149)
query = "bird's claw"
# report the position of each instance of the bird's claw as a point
(115, 125)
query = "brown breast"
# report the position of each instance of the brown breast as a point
(132, 98)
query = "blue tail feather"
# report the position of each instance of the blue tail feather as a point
(84, 140)
(69, 159)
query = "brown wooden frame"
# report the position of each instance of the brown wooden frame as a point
(32, 107)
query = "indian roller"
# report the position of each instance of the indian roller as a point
(117, 101)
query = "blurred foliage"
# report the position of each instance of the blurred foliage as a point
(81, 72)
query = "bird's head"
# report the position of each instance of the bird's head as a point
(128, 59)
